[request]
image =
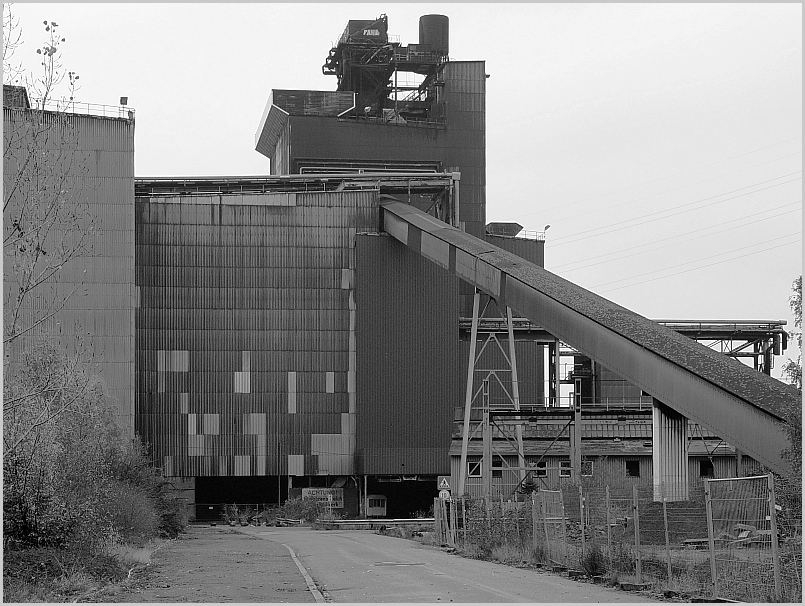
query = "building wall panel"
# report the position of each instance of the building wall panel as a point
(98, 318)
(406, 317)
(261, 317)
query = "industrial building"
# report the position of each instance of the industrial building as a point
(84, 160)
(297, 331)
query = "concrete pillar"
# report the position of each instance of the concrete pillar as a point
(669, 453)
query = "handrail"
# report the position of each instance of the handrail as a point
(81, 108)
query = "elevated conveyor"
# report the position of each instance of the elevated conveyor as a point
(742, 406)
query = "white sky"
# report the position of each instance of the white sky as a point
(603, 120)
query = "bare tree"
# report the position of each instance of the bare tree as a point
(46, 231)
(45, 224)
(792, 369)
(12, 39)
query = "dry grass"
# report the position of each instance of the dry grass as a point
(131, 555)
(508, 554)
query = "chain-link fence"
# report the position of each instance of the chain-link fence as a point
(625, 535)
(744, 539)
(550, 538)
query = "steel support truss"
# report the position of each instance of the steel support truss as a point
(744, 407)
(479, 398)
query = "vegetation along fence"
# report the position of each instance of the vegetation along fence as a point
(724, 541)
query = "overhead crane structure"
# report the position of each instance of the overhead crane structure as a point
(686, 379)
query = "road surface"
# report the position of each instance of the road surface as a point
(361, 566)
(213, 564)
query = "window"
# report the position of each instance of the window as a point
(706, 469)
(497, 462)
(565, 468)
(542, 469)
(376, 503)
(632, 469)
(474, 467)
(587, 468)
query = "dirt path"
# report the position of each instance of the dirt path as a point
(215, 564)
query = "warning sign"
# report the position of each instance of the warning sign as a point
(332, 496)
(444, 483)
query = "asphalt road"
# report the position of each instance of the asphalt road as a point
(214, 564)
(361, 566)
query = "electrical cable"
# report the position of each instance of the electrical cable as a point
(702, 267)
(684, 172)
(697, 260)
(667, 191)
(653, 248)
(609, 231)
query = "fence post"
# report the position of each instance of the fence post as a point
(564, 525)
(543, 511)
(609, 531)
(581, 520)
(775, 549)
(464, 517)
(453, 521)
(534, 522)
(638, 563)
(712, 544)
(437, 522)
(502, 519)
(665, 525)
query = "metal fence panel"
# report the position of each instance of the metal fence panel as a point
(743, 539)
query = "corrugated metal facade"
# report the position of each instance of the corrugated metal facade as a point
(459, 141)
(95, 156)
(407, 359)
(245, 331)
(465, 102)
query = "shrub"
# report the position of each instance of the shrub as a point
(298, 508)
(593, 562)
(130, 512)
(67, 471)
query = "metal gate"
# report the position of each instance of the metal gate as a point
(742, 530)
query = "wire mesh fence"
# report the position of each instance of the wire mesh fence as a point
(634, 535)
(743, 535)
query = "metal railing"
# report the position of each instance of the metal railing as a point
(394, 122)
(568, 401)
(85, 109)
(528, 234)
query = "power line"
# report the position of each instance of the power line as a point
(703, 266)
(684, 172)
(684, 234)
(607, 227)
(648, 273)
(667, 191)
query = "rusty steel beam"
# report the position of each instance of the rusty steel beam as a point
(742, 406)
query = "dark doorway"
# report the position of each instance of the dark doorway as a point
(241, 489)
(405, 498)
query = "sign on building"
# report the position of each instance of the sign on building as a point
(325, 495)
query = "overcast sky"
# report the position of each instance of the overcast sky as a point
(661, 142)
